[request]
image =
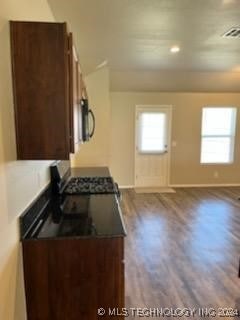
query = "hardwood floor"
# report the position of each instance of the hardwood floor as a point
(183, 249)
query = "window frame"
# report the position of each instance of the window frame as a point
(230, 136)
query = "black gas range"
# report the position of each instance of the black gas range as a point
(63, 183)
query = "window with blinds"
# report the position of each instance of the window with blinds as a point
(218, 134)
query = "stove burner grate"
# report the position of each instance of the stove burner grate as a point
(90, 185)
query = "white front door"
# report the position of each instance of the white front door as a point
(152, 146)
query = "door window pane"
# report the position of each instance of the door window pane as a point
(152, 132)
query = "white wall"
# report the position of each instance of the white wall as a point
(20, 181)
(186, 132)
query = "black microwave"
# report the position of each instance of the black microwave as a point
(88, 121)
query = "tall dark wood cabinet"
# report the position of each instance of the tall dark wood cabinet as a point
(45, 91)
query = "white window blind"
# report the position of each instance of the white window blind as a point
(152, 132)
(218, 135)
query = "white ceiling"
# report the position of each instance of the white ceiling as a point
(134, 37)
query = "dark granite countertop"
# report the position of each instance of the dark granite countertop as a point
(100, 217)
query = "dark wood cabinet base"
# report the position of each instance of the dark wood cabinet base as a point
(72, 278)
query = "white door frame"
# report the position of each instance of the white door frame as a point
(169, 107)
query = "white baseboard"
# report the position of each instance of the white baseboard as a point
(126, 187)
(215, 185)
(204, 185)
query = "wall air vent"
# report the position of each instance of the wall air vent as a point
(232, 33)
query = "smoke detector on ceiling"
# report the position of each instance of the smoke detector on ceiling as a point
(232, 33)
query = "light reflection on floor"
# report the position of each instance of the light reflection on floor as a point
(202, 236)
(208, 234)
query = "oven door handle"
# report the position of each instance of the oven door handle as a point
(37, 228)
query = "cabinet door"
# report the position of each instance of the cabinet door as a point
(70, 279)
(73, 96)
(40, 87)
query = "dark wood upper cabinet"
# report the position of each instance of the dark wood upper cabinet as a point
(45, 90)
